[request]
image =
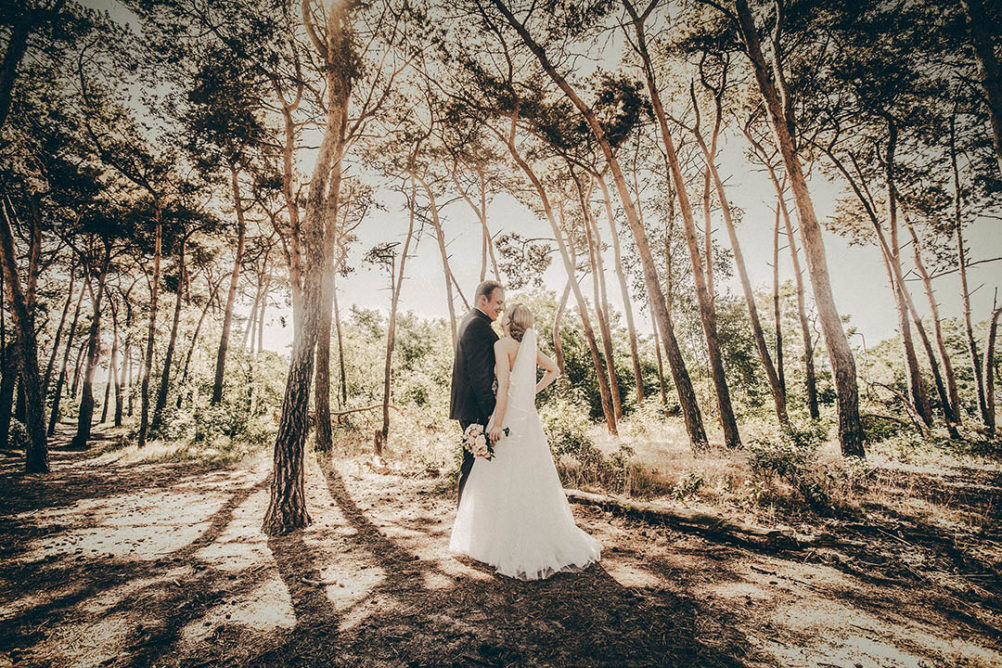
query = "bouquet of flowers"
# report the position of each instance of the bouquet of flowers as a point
(475, 440)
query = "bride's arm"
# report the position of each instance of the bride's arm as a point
(503, 374)
(551, 371)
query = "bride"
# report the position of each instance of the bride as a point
(513, 514)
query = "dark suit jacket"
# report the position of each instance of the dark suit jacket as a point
(473, 370)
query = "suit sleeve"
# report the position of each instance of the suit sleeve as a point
(480, 369)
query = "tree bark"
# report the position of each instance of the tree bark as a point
(342, 373)
(213, 289)
(440, 235)
(683, 385)
(950, 398)
(624, 290)
(37, 455)
(558, 348)
(602, 311)
(287, 505)
(775, 385)
(657, 352)
(396, 284)
(708, 315)
(570, 269)
(989, 366)
(776, 310)
(59, 332)
(224, 339)
(61, 380)
(85, 416)
(851, 435)
(112, 364)
(144, 408)
(172, 341)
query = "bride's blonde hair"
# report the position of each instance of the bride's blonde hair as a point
(519, 320)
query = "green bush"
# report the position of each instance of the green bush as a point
(17, 437)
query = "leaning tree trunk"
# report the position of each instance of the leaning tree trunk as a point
(37, 455)
(851, 433)
(951, 397)
(558, 348)
(59, 332)
(969, 327)
(569, 268)
(777, 313)
(683, 384)
(440, 236)
(989, 368)
(112, 363)
(778, 394)
(144, 408)
(810, 377)
(602, 311)
(85, 416)
(624, 291)
(61, 379)
(158, 410)
(231, 297)
(214, 288)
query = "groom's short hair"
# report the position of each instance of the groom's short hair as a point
(486, 289)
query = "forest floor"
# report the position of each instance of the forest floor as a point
(111, 562)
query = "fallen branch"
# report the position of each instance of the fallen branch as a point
(364, 408)
(693, 521)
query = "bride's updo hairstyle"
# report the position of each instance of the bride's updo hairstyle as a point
(519, 320)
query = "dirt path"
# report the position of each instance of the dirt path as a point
(108, 564)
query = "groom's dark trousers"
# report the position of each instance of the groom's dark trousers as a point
(472, 380)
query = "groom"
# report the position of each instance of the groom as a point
(473, 367)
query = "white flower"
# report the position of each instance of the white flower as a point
(480, 441)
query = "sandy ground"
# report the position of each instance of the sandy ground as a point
(104, 563)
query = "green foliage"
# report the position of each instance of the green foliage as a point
(17, 437)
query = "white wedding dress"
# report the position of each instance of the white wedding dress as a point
(513, 514)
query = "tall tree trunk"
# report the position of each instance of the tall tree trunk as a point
(558, 347)
(776, 311)
(657, 352)
(778, 393)
(214, 288)
(342, 373)
(264, 309)
(440, 235)
(120, 377)
(231, 297)
(287, 505)
(61, 380)
(324, 437)
(851, 435)
(85, 416)
(396, 285)
(920, 397)
(37, 455)
(112, 363)
(969, 327)
(77, 370)
(683, 385)
(8, 372)
(708, 315)
(624, 290)
(162, 391)
(989, 71)
(602, 311)
(59, 332)
(989, 367)
(144, 407)
(950, 398)
(570, 269)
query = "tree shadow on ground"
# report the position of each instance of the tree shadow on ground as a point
(585, 618)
